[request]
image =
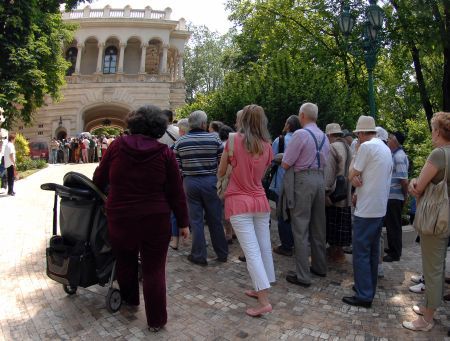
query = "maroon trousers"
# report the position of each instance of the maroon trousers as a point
(148, 236)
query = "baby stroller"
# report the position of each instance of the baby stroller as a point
(81, 255)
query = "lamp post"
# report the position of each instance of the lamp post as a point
(370, 42)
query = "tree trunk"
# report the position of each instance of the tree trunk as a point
(415, 54)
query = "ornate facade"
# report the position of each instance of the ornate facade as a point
(120, 59)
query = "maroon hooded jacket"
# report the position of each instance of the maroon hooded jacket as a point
(143, 178)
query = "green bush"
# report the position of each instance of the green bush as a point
(27, 163)
(22, 148)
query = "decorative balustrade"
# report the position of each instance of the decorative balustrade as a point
(120, 78)
(126, 12)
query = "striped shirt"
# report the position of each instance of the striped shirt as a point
(399, 172)
(198, 153)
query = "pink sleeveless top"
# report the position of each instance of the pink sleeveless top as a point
(245, 193)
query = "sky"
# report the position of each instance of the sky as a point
(210, 13)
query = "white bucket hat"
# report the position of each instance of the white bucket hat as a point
(365, 124)
(333, 128)
(382, 134)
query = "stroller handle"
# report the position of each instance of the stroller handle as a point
(68, 192)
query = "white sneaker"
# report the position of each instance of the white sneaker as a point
(418, 288)
(418, 279)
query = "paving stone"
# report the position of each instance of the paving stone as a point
(204, 303)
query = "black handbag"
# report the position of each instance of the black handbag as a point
(341, 190)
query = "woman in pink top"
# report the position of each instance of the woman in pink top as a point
(246, 204)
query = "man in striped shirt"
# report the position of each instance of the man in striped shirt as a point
(198, 154)
(397, 196)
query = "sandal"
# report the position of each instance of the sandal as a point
(423, 326)
(416, 309)
(251, 293)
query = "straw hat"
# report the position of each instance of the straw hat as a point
(333, 128)
(365, 124)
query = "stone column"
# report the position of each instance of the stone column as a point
(78, 62)
(180, 66)
(101, 46)
(143, 54)
(121, 57)
(164, 59)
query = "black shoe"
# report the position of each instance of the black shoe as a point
(314, 272)
(352, 300)
(389, 258)
(387, 250)
(12, 194)
(347, 249)
(294, 280)
(195, 261)
(242, 258)
(230, 241)
(221, 259)
(354, 288)
(281, 251)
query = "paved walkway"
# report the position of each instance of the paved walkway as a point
(203, 303)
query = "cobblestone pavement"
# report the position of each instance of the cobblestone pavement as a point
(203, 303)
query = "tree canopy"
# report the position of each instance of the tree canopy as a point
(32, 66)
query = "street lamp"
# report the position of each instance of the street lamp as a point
(370, 41)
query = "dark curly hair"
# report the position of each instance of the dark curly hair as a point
(148, 120)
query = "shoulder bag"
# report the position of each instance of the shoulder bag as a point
(432, 207)
(222, 182)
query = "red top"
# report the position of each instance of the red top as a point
(143, 178)
(245, 193)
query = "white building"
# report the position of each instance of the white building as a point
(121, 59)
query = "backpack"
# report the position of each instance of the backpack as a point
(271, 172)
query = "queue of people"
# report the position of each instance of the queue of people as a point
(331, 192)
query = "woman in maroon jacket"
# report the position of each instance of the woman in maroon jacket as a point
(144, 186)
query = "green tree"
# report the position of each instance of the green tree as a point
(32, 66)
(204, 71)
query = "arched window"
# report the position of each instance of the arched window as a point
(71, 57)
(110, 61)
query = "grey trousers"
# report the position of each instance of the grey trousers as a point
(308, 223)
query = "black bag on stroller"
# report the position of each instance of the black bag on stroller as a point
(81, 255)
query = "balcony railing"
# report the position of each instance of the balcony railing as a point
(120, 78)
(126, 12)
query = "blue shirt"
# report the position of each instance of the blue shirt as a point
(277, 180)
(399, 173)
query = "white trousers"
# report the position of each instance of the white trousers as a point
(252, 231)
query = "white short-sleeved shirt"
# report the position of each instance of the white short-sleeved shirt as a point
(9, 149)
(374, 161)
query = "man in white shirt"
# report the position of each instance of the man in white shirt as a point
(172, 132)
(10, 162)
(370, 174)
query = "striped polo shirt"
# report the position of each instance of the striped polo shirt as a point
(399, 172)
(198, 153)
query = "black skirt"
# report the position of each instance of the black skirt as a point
(339, 226)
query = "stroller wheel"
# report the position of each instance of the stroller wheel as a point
(113, 300)
(69, 289)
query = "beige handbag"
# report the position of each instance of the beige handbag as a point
(432, 207)
(222, 182)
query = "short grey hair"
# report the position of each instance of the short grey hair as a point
(197, 119)
(183, 124)
(310, 110)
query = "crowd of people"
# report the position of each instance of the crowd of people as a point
(86, 148)
(334, 191)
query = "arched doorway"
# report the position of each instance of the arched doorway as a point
(61, 133)
(105, 115)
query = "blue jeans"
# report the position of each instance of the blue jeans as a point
(284, 231)
(366, 254)
(54, 155)
(173, 222)
(201, 194)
